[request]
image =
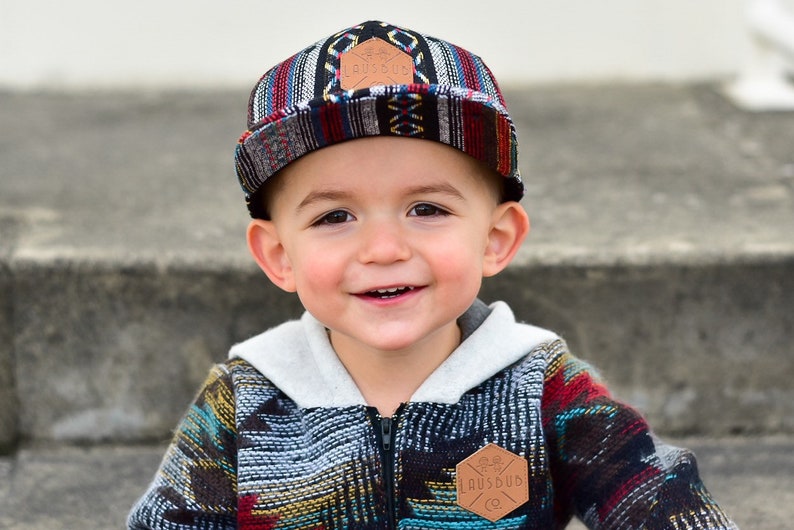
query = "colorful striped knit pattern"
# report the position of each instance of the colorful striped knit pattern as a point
(246, 456)
(299, 106)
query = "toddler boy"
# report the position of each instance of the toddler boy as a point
(399, 400)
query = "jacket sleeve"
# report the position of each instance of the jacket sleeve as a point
(196, 484)
(608, 468)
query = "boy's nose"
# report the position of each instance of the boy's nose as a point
(383, 243)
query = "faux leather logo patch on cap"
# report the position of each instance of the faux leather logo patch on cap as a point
(492, 482)
(375, 62)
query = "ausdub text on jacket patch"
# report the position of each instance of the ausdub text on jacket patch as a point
(492, 482)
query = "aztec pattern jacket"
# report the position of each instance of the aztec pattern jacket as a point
(280, 437)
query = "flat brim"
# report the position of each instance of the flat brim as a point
(470, 121)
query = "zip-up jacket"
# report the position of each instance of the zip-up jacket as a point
(280, 437)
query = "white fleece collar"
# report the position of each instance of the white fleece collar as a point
(298, 358)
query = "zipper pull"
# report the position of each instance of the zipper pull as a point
(385, 432)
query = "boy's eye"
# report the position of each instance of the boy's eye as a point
(335, 217)
(425, 210)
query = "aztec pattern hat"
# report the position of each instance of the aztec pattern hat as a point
(375, 79)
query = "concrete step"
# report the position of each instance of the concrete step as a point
(92, 488)
(662, 250)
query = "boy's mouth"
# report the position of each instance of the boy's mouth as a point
(391, 292)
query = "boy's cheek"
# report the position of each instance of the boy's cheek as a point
(317, 278)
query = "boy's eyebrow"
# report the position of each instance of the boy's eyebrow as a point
(335, 195)
(443, 188)
(322, 195)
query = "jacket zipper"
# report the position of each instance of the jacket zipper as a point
(385, 427)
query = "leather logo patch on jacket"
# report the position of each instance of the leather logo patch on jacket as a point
(492, 482)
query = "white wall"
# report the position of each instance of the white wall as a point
(75, 44)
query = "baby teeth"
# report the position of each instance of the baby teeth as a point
(390, 293)
(393, 290)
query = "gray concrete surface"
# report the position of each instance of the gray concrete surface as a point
(698, 349)
(662, 250)
(8, 414)
(60, 488)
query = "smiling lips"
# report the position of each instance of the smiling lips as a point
(392, 292)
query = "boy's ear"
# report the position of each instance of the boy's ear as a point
(265, 246)
(509, 228)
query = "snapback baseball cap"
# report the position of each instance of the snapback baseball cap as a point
(375, 79)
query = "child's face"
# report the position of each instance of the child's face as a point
(386, 240)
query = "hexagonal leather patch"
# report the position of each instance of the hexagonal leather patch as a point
(492, 482)
(375, 62)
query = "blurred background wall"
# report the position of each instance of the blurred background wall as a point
(52, 44)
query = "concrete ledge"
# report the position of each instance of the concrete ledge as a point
(115, 354)
(8, 395)
(105, 354)
(697, 348)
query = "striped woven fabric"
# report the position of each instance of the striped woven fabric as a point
(299, 106)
